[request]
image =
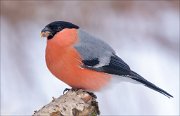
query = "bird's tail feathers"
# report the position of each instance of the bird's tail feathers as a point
(133, 75)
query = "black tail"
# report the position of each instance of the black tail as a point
(138, 78)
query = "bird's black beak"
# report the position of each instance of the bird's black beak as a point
(46, 32)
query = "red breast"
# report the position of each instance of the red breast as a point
(64, 61)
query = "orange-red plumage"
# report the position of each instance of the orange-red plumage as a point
(65, 62)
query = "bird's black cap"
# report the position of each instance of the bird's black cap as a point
(57, 26)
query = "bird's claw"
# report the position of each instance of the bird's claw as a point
(76, 89)
(72, 89)
(65, 90)
(92, 94)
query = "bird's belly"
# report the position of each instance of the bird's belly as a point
(66, 66)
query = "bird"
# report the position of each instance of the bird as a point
(84, 61)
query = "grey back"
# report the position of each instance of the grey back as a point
(91, 47)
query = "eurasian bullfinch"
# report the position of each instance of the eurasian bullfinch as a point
(84, 61)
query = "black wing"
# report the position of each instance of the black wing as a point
(118, 67)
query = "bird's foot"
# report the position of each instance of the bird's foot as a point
(91, 94)
(68, 89)
(76, 89)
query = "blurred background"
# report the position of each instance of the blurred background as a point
(145, 34)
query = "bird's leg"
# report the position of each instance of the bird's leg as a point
(76, 89)
(91, 94)
(65, 90)
(72, 89)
